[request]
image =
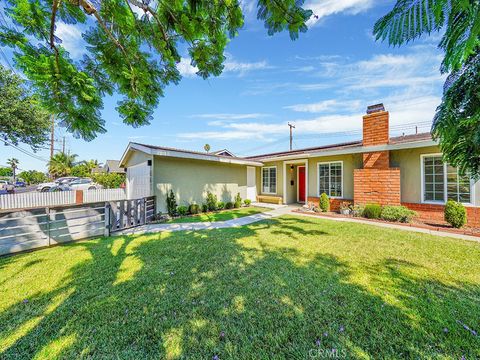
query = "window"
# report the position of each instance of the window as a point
(330, 179)
(442, 182)
(269, 180)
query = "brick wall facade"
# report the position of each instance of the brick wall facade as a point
(376, 186)
(434, 213)
(377, 160)
(376, 129)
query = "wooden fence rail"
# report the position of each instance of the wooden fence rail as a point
(33, 228)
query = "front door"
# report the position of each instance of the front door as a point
(251, 184)
(301, 184)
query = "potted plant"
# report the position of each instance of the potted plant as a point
(345, 208)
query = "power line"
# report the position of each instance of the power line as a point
(26, 152)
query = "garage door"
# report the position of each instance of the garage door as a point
(138, 181)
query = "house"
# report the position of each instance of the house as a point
(111, 166)
(405, 170)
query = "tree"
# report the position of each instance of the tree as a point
(84, 168)
(5, 172)
(110, 180)
(61, 164)
(33, 177)
(13, 163)
(22, 119)
(133, 47)
(206, 148)
(457, 119)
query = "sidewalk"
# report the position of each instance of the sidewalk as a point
(279, 210)
(246, 220)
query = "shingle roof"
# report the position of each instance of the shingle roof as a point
(188, 151)
(114, 166)
(341, 146)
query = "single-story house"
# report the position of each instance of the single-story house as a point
(404, 170)
(111, 166)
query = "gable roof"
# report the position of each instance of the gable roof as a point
(186, 154)
(114, 166)
(224, 152)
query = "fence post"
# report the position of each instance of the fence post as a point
(107, 219)
(47, 212)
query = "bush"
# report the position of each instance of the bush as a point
(33, 177)
(110, 180)
(171, 204)
(372, 211)
(238, 201)
(220, 205)
(194, 209)
(211, 201)
(182, 210)
(324, 203)
(455, 214)
(247, 202)
(204, 207)
(397, 213)
(229, 205)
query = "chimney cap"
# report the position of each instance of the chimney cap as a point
(375, 108)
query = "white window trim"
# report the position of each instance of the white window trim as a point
(445, 183)
(318, 178)
(276, 180)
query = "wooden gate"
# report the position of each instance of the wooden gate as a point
(125, 214)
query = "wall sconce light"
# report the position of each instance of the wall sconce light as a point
(291, 168)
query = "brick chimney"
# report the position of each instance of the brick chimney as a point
(376, 132)
(376, 182)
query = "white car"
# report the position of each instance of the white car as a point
(7, 186)
(84, 184)
(45, 187)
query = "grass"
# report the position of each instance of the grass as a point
(220, 215)
(286, 288)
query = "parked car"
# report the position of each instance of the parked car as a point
(79, 184)
(7, 186)
(44, 187)
(20, 183)
(84, 184)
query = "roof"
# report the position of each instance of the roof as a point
(223, 152)
(347, 146)
(114, 166)
(186, 154)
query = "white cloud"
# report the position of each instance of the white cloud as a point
(72, 40)
(324, 8)
(230, 66)
(331, 105)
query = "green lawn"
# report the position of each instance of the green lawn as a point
(286, 288)
(221, 215)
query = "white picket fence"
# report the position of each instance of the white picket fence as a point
(46, 199)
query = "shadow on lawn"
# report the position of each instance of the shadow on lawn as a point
(172, 295)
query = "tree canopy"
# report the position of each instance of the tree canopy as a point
(61, 164)
(22, 119)
(457, 119)
(133, 49)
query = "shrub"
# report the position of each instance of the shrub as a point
(182, 210)
(220, 205)
(324, 203)
(109, 180)
(397, 213)
(211, 201)
(247, 202)
(229, 205)
(194, 209)
(238, 201)
(357, 210)
(171, 204)
(455, 214)
(204, 207)
(372, 211)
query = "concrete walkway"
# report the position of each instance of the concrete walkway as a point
(279, 210)
(275, 211)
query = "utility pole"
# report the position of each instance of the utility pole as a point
(52, 136)
(63, 145)
(291, 135)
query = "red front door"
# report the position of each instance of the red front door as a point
(301, 183)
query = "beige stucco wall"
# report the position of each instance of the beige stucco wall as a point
(136, 157)
(191, 179)
(409, 162)
(279, 165)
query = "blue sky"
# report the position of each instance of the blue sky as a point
(321, 82)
